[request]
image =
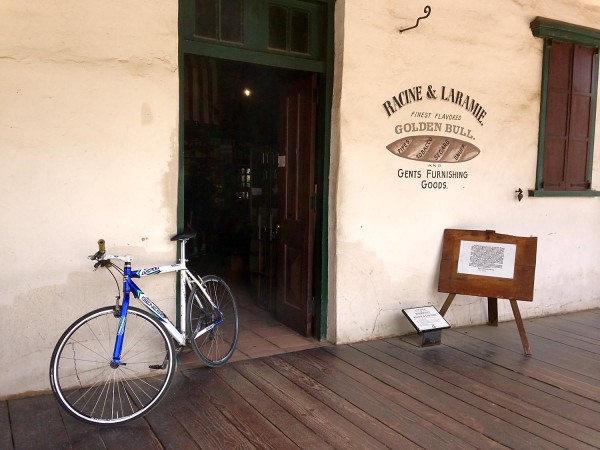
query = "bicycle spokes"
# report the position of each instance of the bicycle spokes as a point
(94, 390)
(212, 321)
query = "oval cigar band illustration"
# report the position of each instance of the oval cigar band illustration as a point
(441, 149)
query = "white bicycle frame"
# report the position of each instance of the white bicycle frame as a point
(187, 279)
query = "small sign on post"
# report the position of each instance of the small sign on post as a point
(428, 322)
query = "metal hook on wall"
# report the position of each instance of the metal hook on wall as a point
(427, 11)
(519, 193)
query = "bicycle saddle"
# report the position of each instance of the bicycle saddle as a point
(184, 235)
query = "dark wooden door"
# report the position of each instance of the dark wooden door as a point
(296, 185)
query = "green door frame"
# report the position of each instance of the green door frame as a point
(324, 67)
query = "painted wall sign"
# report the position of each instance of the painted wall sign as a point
(434, 137)
(431, 148)
(415, 94)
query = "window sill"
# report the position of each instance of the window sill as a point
(541, 193)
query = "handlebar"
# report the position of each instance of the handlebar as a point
(104, 259)
(99, 255)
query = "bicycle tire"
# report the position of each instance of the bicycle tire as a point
(217, 345)
(85, 384)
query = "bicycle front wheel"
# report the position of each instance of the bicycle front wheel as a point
(90, 389)
(212, 323)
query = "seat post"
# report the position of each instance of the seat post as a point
(182, 259)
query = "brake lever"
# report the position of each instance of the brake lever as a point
(95, 256)
(102, 263)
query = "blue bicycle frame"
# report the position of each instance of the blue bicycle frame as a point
(129, 287)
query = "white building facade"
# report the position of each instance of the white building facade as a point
(431, 128)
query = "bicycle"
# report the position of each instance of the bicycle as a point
(101, 375)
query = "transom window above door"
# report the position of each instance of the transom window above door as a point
(284, 27)
(222, 20)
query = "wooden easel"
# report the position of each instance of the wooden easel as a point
(519, 287)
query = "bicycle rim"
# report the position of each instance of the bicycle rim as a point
(86, 385)
(215, 346)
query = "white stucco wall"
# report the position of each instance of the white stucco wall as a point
(88, 149)
(387, 231)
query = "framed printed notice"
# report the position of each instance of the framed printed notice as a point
(487, 259)
(488, 264)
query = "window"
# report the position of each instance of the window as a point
(289, 29)
(568, 108)
(292, 34)
(220, 20)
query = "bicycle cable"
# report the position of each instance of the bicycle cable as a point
(117, 297)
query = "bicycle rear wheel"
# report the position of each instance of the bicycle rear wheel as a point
(213, 331)
(86, 385)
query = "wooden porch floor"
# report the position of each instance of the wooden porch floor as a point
(476, 390)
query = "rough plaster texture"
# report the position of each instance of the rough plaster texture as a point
(89, 149)
(388, 230)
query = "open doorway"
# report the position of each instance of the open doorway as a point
(249, 191)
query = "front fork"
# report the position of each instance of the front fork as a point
(116, 360)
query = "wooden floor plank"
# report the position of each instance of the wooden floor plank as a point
(585, 319)
(555, 335)
(595, 316)
(478, 419)
(328, 424)
(294, 429)
(405, 405)
(81, 435)
(36, 423)
(510, 410)
(168, 429)
(203, 421)
(422, 425)
(5, 432)
(584, 363)
(539, 375)
(518, 386)
(475, 390)
(85, 436)
(189, 416)
(545, 424)
(492, 348)
(136, 434)
(256, 428)
(209, 428)
(362, 419)
(565, 324)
